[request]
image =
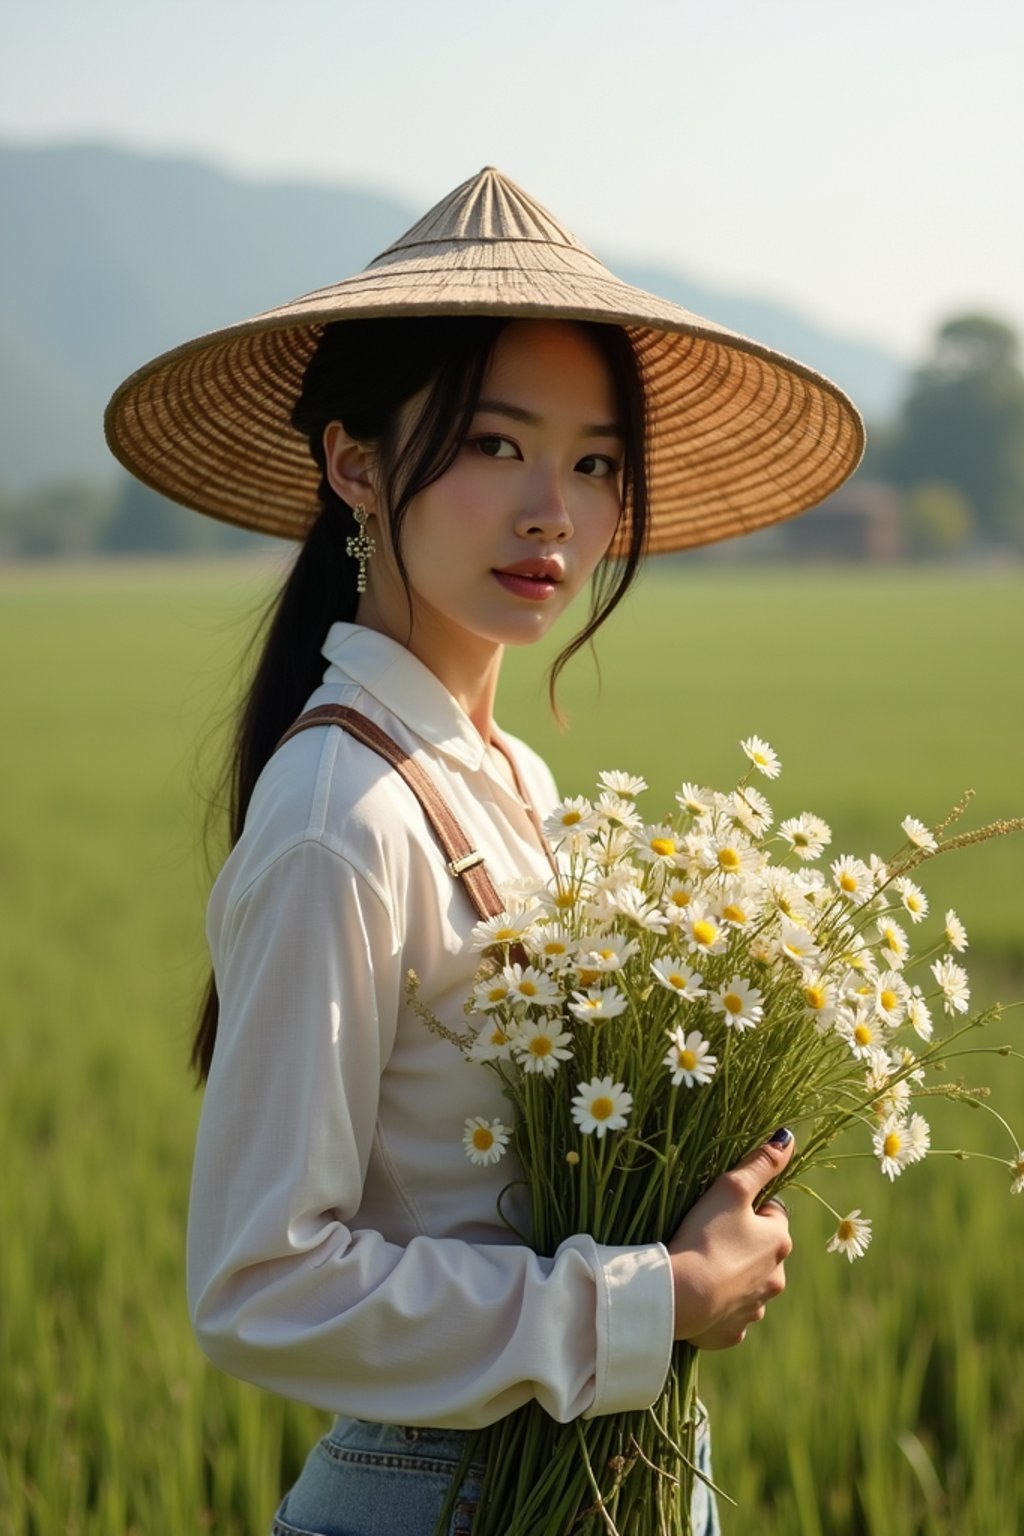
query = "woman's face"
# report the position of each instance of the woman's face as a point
(498, 547)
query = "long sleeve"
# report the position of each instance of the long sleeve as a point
(289, 1287)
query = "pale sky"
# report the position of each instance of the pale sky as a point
(861, 161)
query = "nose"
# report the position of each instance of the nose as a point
(546, 516)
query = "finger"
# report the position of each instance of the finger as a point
(776, 1201)
(756, 1170)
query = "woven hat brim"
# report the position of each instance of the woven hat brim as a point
(740, 436)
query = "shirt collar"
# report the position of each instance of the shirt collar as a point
(400, 681)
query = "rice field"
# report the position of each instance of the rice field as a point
(882, 1399)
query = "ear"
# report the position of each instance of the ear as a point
(348, 467)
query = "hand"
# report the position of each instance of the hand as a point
(727, 1257)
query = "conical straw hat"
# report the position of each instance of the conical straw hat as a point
(740, 436)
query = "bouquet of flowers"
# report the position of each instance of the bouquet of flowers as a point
(679, 991)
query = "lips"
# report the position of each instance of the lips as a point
(549, 570)
(534, 580)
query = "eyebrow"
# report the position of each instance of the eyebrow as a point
(517, 413)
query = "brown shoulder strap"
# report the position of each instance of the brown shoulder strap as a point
(463, 862)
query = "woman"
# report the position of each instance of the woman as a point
(490, 416)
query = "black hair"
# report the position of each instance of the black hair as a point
(362, 373)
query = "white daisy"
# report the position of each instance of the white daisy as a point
(700, 930)
(658, 845)
(675, 898)
(956, 933)
(894, 945)
(861, 1033)
(528, 985)
(485, 1140)
(568, 818)
(919, 1014)
(597, 1003)
(737, 902)
(553, 945)
(803, 834)
(892, 1147)
(601, 1106)
(622, 783)
(609, 953)
(690, 1058)
(914, 900)
(752, 811)
(620, 813)
(762, 756)
(919, 834)
(695, 800)
(797, 943)
(891, 995)
(952, 980)
(819, 999)
(739, 1003)
(630, 902)
(504, 928)
(853, 879)
(732, 855)
(678, 977)
(1017, 1169)
(540, 1046)
(851, 1237)
(903, 1058)
(490, 993)
(493, 1043)
(918, 1138)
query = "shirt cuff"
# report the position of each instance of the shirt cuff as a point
(635, 1324)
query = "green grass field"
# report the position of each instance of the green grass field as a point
(884, 1398)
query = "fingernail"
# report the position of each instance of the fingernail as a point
(782, 1137)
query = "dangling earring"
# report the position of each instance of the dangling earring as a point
(360, 546)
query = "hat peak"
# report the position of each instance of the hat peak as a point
(487, 207)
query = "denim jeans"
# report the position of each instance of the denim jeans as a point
(386, 1480)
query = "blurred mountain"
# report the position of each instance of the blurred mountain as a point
(110, 256)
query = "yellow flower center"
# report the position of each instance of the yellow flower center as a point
(675, 980)
(680, 898)
(913, 903)
(571, 818)
(760, 759)
(496, 994)
(784, 905)
(732, 1003)
(801, 840)
(734, 914)
(602, 1108)
(588, 978)
(814, 997)
(554, 947)
(565, 899)
(892, 1144)
(483, 1138)
(863, 1034)
(528, 988)
(506, 936)
(498, 1037)
(664, 847)
(687, 1060)
(887, 1000)
(728, 858)
(704, 932)
(847, 1230)
(605, 954)
(541, 1045)
(848, 883)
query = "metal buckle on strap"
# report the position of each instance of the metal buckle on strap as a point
(470, 860)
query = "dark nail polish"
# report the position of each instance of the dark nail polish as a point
(782, 1137)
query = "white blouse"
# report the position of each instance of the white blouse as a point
(342, 1249)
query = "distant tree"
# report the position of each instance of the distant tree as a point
(62, 521)
(962, 423)
(144, 522)
(936, 520)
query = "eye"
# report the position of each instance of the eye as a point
(495, 447)
(598, 466)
